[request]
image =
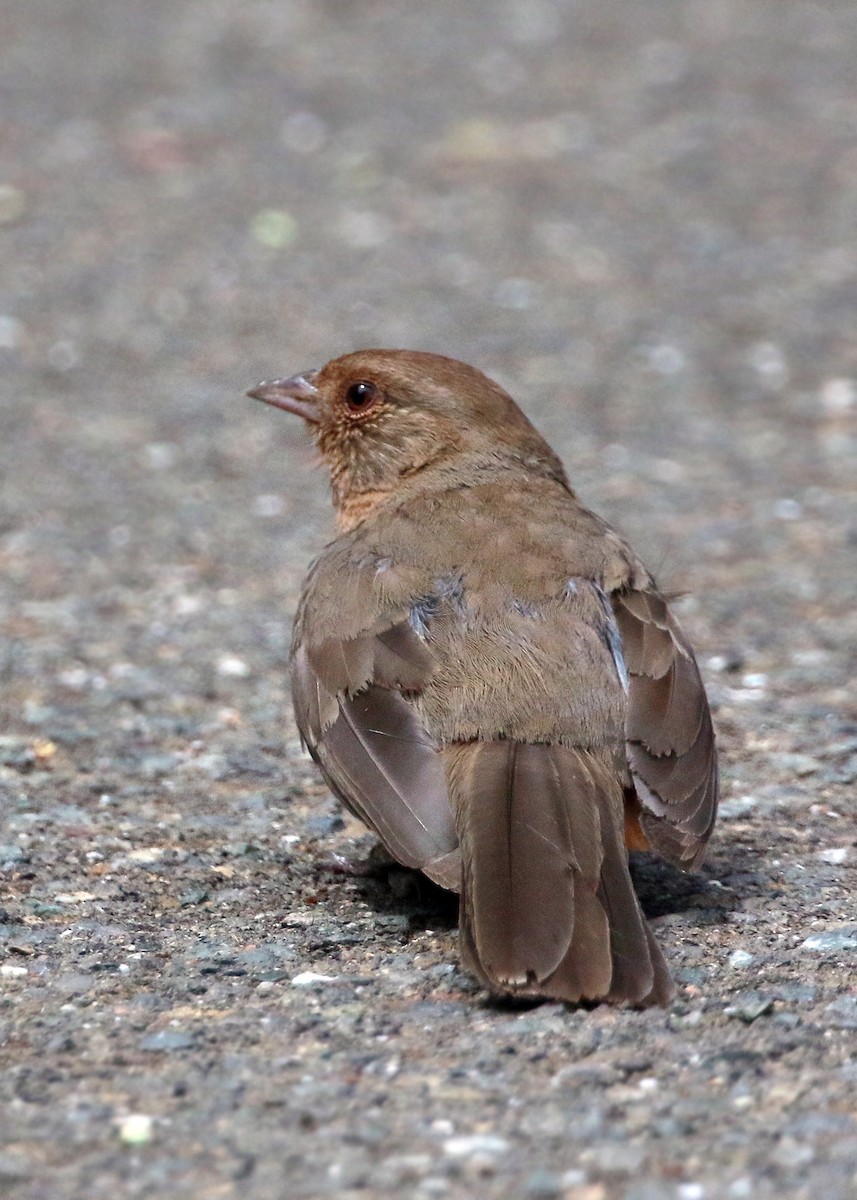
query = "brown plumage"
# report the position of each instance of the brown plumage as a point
(487, 675)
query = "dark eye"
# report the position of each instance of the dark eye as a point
(361, 396)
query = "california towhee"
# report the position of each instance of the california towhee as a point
(487, 675)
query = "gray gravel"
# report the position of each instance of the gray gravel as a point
(640, 218)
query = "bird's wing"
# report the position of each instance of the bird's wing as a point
(670, 739)
(351, 702)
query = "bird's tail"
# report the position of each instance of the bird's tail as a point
(547, 903)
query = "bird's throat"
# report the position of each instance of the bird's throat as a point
(356, 507)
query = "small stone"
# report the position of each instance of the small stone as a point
(787, 509)
(167, 1040)
(474, 1145)
(11, 333)
(160, 456)
(666, 360)
(795, 993)
(13, 1167)
(738, 807)
(740, 959)
(769, 361)
(10, 972)
(303, 132)
(311, 978)
(543, 1185)
(364, 230)
(230, 666)
(750, 1006)
(274, 228)
(40, 909)
(838, 395)
(269, 505)
(146, 854)
(319, 827)
(614, 1158)
(792, 1154)
(13, 204)
(832, 940)
(516, 294)
(573, 1178)
(842, 1013)
(135, 1129)
(835, 856)
(801, 765)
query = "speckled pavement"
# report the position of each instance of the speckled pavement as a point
(640, 219)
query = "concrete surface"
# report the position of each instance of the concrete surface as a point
(640, 218)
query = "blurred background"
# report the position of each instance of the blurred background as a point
(640, 218)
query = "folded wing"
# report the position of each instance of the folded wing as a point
(670, 739)
(354, 716)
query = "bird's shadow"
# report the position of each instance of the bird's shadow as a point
(664, 890)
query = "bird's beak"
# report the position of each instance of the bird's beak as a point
(297, 394)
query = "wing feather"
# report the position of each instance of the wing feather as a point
(670, 738)
(368, 741)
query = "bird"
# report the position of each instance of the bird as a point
(487, 675)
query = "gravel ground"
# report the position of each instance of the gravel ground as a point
(640, 218)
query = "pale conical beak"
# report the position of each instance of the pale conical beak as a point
(297, 394)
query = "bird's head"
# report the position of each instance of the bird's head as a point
(384, 417)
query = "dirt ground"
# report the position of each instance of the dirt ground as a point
(641, 219)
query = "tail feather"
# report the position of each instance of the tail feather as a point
(547, 905)
(507, 822)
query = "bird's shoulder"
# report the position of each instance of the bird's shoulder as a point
(508, 539)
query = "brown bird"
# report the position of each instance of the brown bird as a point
(487, 675)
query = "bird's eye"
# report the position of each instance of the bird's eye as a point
(361, 396)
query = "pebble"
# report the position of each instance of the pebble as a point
(13, 1167)
(10, 972)
(135, 1129)
(788, 509)
(842, 1012)
(739, 959)
(838, 396)
(160, 456)
(167, 1040)
(797, 764)
(324, 826)
(614, 1158)
(146, 854)
(480, 1145)
(303, 132)
(13, 204)
(749, 1006)
(311, 978)
(231, 666)
(274, 228)
(269, 504)
(844, 938)
(543, 1185)
(516, 293)
(11, 333)
(740, 806)
(836, 856)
